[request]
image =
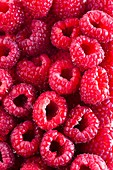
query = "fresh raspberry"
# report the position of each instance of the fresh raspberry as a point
(63, 32)
(49, 110)
(7, 157)
(56, 150)
(35, 71)
(94, 87)
(64, 78)
(82, 125)
(5, 82)
(88, 162)
(97, 24)
(86, 52)
(33, 39)
(68, 9)
(11, 15)
(19, 100)
(25, 139)
(9, 53)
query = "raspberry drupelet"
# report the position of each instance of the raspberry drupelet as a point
(56, 150)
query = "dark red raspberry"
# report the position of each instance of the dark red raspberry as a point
(11, 15)
(97, 24)
(7, 157)
(9, 53)
(49, 110)
(63, 32)
(33, 39)
(64, 78)
(82, 125)
(88, 162)
(20, 99)
(56, 150)
(86, 52)
(94, 87)
(25, 139)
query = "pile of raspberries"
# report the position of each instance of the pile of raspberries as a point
(56, 84)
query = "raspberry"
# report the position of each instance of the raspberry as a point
(64, 78)
(11, 15)
(68, 9)
(20, 99)
(9, 53)
(97, 24)
(56, 150)
(5, 82)
(88, 161)
(86, 52)
(94, 87)
(64, 31)
(49, 110)
(7, 157)
(25, 139)
(33, 39)
(82, 125)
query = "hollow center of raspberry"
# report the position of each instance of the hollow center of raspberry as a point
(20, 100)
(4, 51)
(81, 125)
(55, 147)
(67, 31)
(88, 48)
(96, 25)
(67, 74)
(4, 7)
(28, 136)
(1, 160)
(84, 167)
(51, 110)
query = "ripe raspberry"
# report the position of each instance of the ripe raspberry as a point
(82, 125)
(88, 162)
(49, 110)
(94, 86)
(56, 150)
(11, 15)
(86, 52)
(97, 24)
(20, 99)
(33, 39)
(25, 139)
(9, 53)
(63, 32)
(64, 78)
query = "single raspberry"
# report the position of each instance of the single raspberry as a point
(25, 139)
(86, 52)
(97, 24)
(11, 15)
(33, 39)
(9, 53)
(68, 9)
(49, 110)
(94, 87)
(64, 78)
(88, 162)
(56, 150)
(20, 99)
(82, 125)
(63, 32)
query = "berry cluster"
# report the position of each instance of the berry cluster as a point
(56, 85)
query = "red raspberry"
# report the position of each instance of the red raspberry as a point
(63, 32)
(20, 99)
(33, 39)
(11, 15)
(86, 52)
(88, 162)
(82, 125)
(64, 78)
(97, 24)
(9, 53)
(49, 110)
(5, 82)
(94, 86)
(25, 139)
(56, 149)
